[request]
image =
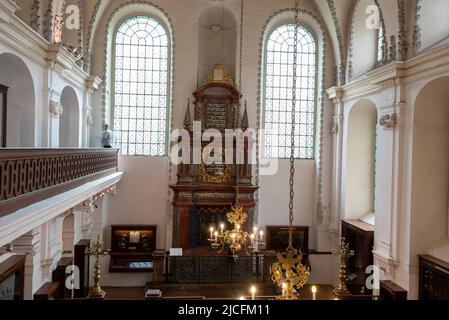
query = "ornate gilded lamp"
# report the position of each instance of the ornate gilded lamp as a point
(236, 239)
(288, 273)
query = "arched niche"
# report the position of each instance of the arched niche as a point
(360, 160)
(363, 42)
(21, 101)
(217, 40)
(430, 170)
(433, 22)
(69, 120)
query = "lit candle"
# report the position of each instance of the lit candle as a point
(314, 292)
(252, 238)
(222, 226)
(284, 288)
(253, 293)
(242, 298)
(211, 232)
(216, 236)
(261, 236)
(255, 230)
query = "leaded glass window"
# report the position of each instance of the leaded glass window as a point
(279, 93)
(141, 91)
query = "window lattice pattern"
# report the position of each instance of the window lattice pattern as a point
(141, 87)
(279, 93)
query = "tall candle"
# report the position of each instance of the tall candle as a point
(211, 232)
(314, 292)
(261, 236)
(253, 293)
(216, 236)
(222, 226)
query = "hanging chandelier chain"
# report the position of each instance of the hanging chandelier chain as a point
(242, 12)
(293, 135)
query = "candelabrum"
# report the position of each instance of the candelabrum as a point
(289, 274)
(344, 252)
(97, 251)
(236, 239)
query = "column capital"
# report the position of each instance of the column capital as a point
(388, 120)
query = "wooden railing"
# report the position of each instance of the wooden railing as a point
(31, 175)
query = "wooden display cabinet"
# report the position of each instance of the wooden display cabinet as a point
(433, 278)
(132, 248)
(360, 237)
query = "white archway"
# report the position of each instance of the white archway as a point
(69, 124)
(430, 172)
(21, 101)
(360, 160)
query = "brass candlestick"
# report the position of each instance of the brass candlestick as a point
(97, 250)
(344, 252)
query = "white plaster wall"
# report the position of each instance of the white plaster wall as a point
(142, 199)
(364, 42)
(359, 190)
(430, 184)
(434, 23)
(69, 124)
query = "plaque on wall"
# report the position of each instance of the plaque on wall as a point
(216, 114)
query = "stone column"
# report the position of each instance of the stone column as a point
(333, 221)
(29, 244)
(389, 159)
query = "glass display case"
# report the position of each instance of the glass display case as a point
(132, 248)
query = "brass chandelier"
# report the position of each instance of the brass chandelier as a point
(288, 273)
(237, 238)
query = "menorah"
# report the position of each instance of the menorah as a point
(97, 250)
(344, 252)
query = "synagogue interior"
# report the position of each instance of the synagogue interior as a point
(224, 149)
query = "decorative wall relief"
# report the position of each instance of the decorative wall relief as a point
(34, 15)
(393, 49)
(388, 121)
(417, 28)
(402, 35)
(56, 109)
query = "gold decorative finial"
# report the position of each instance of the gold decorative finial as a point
(219, 75)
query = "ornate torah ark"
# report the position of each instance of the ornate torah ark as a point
(204, 193)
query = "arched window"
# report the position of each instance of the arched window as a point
(279, 61)
(141, 91)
